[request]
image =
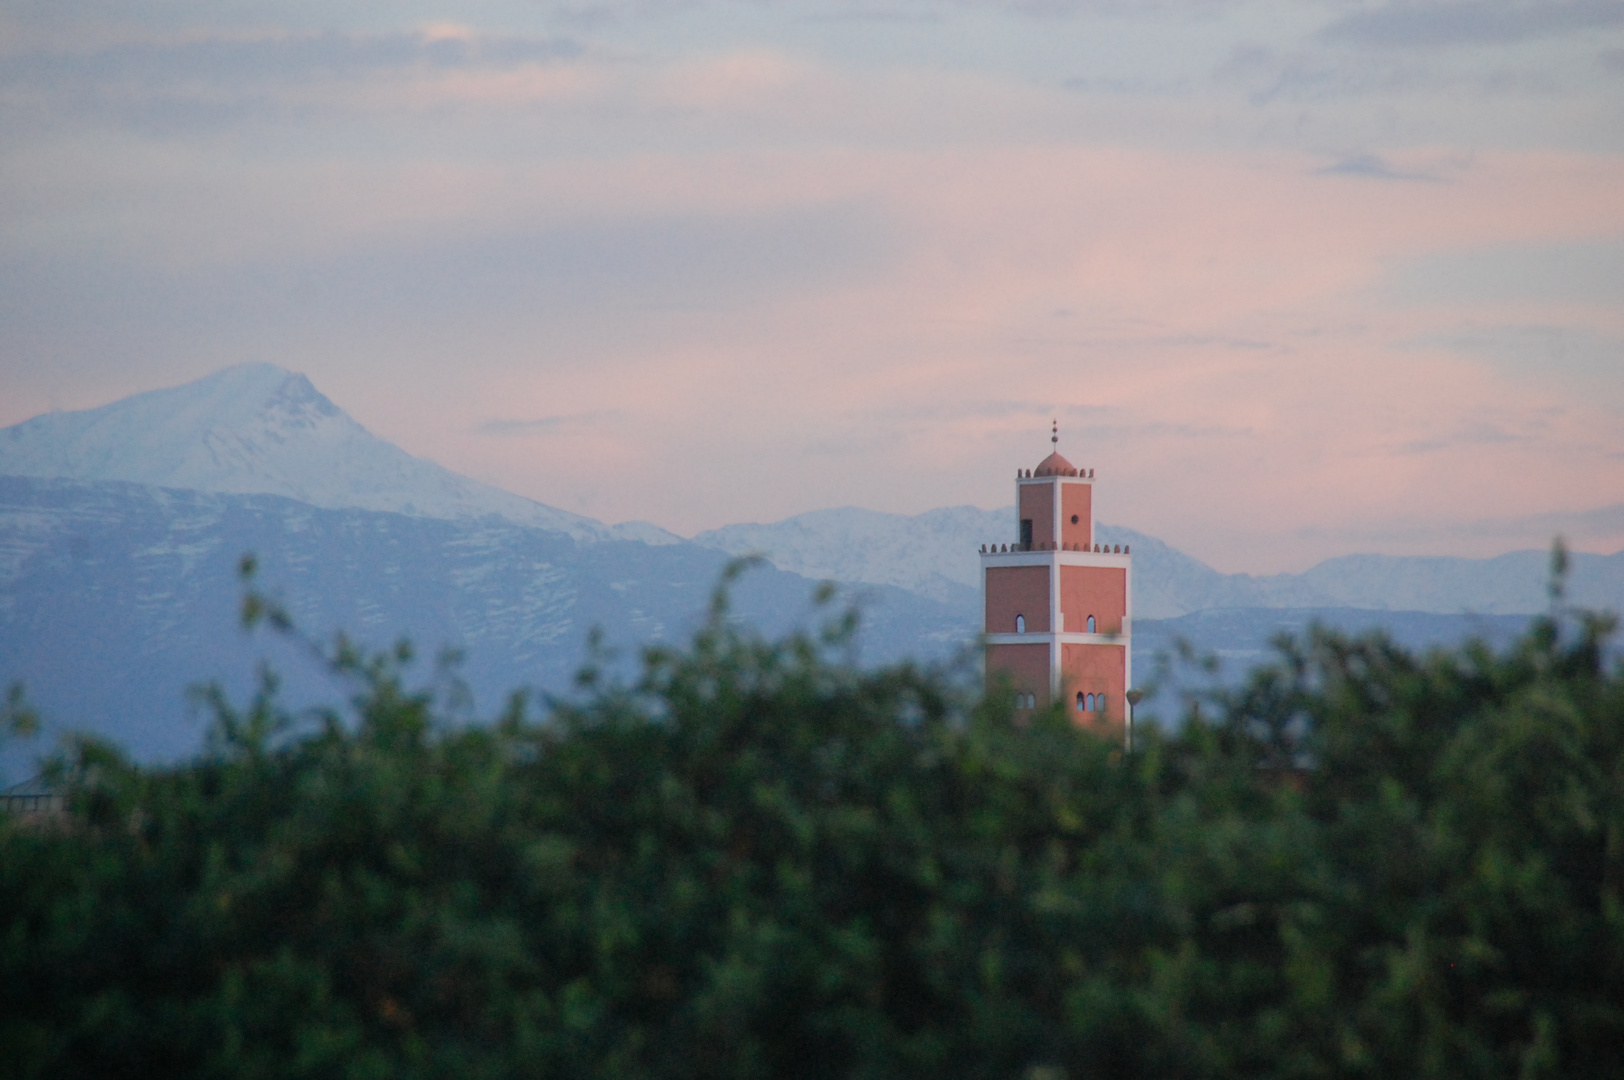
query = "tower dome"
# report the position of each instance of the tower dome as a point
(1055, 465)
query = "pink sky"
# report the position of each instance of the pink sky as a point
(1295, 285)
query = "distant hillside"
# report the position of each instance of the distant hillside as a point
(1507, 584)
(935, 554)
(114, 598)
(1243, 638)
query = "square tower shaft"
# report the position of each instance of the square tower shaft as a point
(1058, 607)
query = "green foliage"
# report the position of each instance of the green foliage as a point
(17, 716)
(760, 861)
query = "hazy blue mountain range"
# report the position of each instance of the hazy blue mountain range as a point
(115, 597)
(121, 528)
(935, 554)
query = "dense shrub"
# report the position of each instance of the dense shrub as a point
(759, 861)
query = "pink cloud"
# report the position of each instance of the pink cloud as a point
(1163, 263)
(1212, 316)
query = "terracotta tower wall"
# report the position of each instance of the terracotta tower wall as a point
(1096, 669)
(1017, 590)
(1100, 591)
(1037, 506)
(1077, 501)
(1027, 667)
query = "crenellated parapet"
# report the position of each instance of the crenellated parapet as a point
(1098, 549)
(1054, 470)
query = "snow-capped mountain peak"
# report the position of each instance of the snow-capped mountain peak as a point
(259, 429)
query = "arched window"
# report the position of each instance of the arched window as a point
(1020, 624)
(1080, 702)
(1099, 702)
(1091, 624)
(1089, 706)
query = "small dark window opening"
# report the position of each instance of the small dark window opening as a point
(1091, 624)
(1026, 532)
(1020, 624)
(1080, 702)
(1074, 519)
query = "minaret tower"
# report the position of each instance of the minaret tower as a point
(1059, 606)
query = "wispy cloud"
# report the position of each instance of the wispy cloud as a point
(1424, 24)
(1582, 360)
(895, 16)
(187, 82)
(548, 425)
(232, 60)
(1463, 435)
(757, 263)
(1374, 167)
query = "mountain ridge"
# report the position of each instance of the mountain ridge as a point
(935, 554)
(258, 429)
